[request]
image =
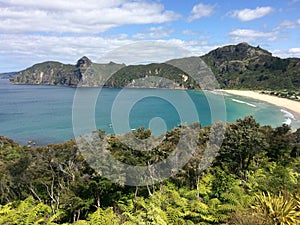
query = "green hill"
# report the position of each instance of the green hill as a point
(245, 66)
(234, 66)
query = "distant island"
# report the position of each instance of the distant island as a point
(240, 66)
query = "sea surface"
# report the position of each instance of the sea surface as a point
(48, 114)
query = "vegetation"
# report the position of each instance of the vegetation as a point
(253, 180)
(150, 76)
(234, 66)
(293, 95)
(248, 67)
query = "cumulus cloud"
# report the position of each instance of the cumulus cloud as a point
(154, 32)
(200, 11)
(241, 35)
(90, 16)
(251, 14)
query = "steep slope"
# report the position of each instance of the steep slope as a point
(155, 75)
(245, 66)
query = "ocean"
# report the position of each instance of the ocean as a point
(52, 114)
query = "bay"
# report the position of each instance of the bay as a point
(44, 113)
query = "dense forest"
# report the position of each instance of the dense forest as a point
(254, 179)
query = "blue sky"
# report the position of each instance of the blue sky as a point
(130, 31)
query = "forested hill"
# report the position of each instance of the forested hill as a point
(245, 66)
(235, 66)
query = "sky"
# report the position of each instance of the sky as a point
(141, 31)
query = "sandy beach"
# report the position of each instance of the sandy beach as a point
(281, 102)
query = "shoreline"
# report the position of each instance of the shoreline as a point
(284, 103)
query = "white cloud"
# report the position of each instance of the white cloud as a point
(247, 35)
(143, 52)
(154, 32)
(69, 16)
(295, 50)
(288, 24)
(292, 52)
(251, 14)
(190, 32)
(31, 49)
(201, 10)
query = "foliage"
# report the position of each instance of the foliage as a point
(243, 142)
(279, 210)
(55, 184)
(244, 66)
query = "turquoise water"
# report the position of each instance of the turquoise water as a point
(44, 113)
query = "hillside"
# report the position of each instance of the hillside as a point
(84, 73)
(245, 66)
(234, 66)
(155, 75)
(88, 74)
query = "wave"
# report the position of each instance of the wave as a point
(287, 114)
(242, 102)
(216, 92)
(288, 117)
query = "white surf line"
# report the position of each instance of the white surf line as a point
(242, 102)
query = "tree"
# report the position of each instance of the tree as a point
(243, 141)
